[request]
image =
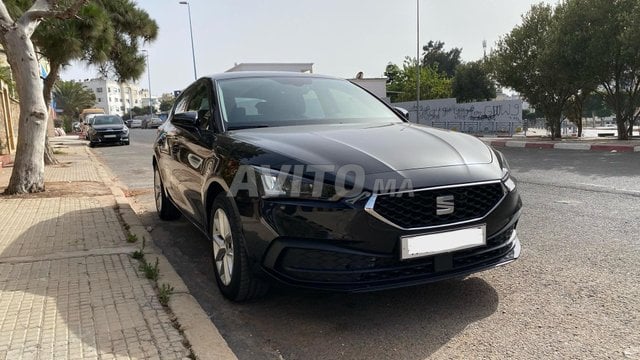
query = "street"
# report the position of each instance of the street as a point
(573, 293)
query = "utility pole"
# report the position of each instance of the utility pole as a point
(417, 61)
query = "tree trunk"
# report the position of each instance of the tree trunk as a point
(579, 124)
(49, 156)
(28, 167)
(630, 130)
(49, 82)
(622, 128)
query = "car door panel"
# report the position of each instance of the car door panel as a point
(193, 148)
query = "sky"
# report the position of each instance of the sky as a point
(341, 37)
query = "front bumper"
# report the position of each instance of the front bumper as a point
(109, 138)
(337, 246)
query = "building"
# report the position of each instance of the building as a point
(155, 102)
(116, 98)
(291, 67)
(376, 86)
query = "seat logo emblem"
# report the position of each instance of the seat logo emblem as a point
(445, 205)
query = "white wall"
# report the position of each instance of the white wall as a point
(486, 117)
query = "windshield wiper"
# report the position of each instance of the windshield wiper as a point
(240, 127)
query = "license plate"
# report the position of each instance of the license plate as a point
(443, 242)
(109, 136)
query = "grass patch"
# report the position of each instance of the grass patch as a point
(151, 272)
(164, 293)
(131, 238)
(139, 254)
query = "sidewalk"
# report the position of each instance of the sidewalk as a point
(536, 141)
(69, 287)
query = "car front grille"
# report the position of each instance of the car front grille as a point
(337, 267)
(418, 209)
(110, 135)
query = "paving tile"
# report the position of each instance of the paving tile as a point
(54, 325)
(42, 226)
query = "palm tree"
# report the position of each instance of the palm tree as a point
(73, 97)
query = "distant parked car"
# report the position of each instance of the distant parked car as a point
(135, 123)
(88, 121)
(152, 123)
(108, 129)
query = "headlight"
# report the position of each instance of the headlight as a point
(125, 130)
(274, 183)
(507, 179)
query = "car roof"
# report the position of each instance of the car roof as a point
(253, 74)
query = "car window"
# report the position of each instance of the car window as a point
(181, 103)
(286, 101)
(199, 102)
(107, 120)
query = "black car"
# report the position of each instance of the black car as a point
(107, 129)
(314, 182)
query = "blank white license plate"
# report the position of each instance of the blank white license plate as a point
(109, 136)
(443, 242)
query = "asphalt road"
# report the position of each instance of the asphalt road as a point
(574, 293)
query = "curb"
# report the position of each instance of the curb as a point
(204, 338)
(562, 146)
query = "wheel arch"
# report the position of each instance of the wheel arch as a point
(212, 191)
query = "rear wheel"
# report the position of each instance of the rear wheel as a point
(233, 274)
(164, 206)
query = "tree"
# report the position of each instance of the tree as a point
(433, 84)
(595, 105)
(106, 33)
(610, 38)
(99, 32)
(529, 60)
(574, 109)
(15, 37)
(444, 61)
(472, 83)
(166, 104)
(73, 97)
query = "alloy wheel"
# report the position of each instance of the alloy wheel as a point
(223, 246)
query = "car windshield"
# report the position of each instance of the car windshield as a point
(285, 101)
(107, 120)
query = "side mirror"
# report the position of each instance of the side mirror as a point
(402, 112)
(187, 119)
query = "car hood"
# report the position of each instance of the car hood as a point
(108, 127)
(378, 148)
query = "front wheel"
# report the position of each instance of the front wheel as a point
(164, 206)
(233, 274)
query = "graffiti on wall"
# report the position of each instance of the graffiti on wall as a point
(486, 117)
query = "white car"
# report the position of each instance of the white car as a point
(136, 123)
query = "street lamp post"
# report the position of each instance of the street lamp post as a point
(193, 52)
(417, 61)
(149, 79)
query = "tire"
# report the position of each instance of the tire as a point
(164, 206)
(92, 144)
(234, 276)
